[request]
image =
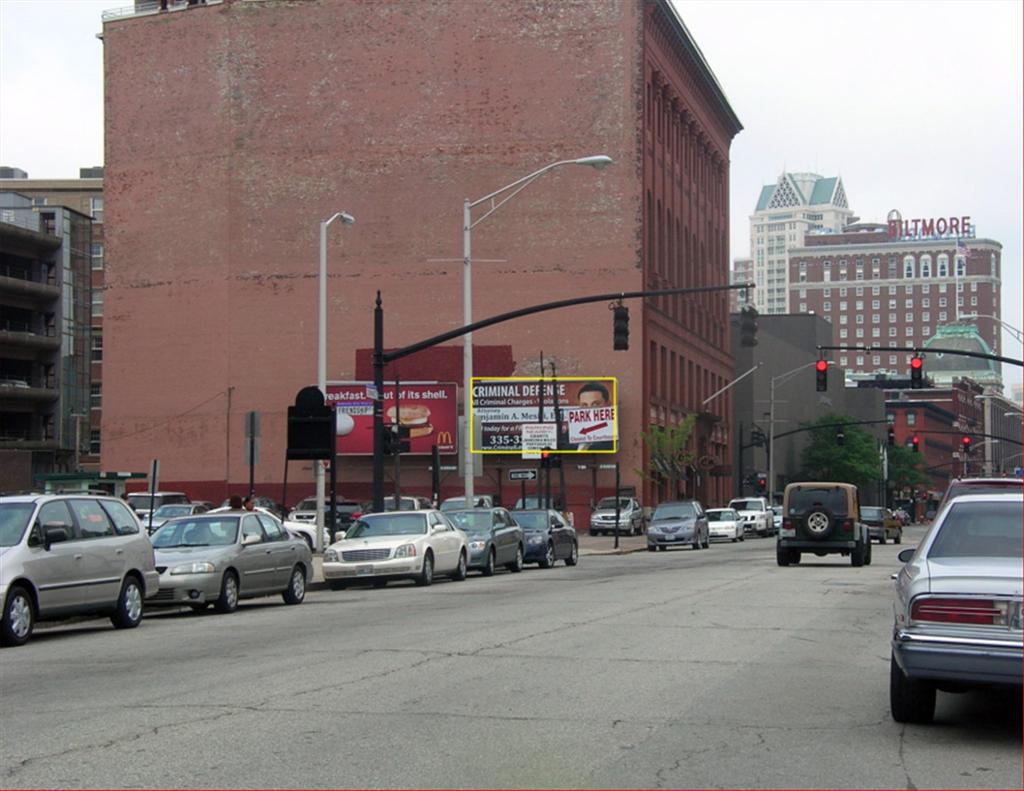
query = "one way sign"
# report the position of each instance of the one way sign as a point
(591, 424)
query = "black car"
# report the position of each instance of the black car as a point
(548, 537)
(495, 539)
(678, 523)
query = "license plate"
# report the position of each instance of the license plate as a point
(363, 571)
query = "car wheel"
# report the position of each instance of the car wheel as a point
(857, 555)
(707, 542)
(592, 532)
(781, 556)
(488, 570)
(426, 576)
(574, 555)
(909, 700)
(19, 617)
(819, 523)
(661, 548)
(549, 557)
(228, 599)
(380, 582)
(296, 590)
(867, 554)
(460, 569)
(651, 547)
(516, 565)
(882, 539)
(128, 612)
(742, 536)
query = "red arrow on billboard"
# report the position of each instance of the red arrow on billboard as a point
(595, 427)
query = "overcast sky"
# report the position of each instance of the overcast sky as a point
(916, 105)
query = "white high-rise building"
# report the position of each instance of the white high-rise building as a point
(798, 204)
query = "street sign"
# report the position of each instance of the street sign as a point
(539, 436)
(590, 424)
(522, 475)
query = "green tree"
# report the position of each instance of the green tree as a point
(906, 468)
(667, 452)
(856, 461)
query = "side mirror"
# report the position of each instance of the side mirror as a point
(906, 554)
(54, 533)
(251, 538)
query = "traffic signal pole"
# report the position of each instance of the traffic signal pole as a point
(382, 358)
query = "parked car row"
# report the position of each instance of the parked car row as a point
(423, 543)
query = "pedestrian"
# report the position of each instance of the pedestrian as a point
(235, 502)
(248, 504)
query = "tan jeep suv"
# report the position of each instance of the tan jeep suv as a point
(822, 517)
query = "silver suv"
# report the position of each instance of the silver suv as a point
(68, 554)
(631, 517)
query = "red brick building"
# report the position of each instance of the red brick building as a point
(233, 129)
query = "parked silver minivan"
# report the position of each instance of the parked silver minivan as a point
(68, 554)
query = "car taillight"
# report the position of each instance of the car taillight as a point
(973, 611)
(787, 523)
(847, 526)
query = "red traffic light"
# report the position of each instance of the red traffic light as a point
(966, 441)
(821, 366)
(916, 363)
(916, 443)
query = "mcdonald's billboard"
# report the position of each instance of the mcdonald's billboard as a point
(429, 409)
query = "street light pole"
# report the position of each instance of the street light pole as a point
(497, 199)
(321, 359)
(771, 426)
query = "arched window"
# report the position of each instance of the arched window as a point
(943, 265)
(908, 266)
(961, 266)
(926, 266)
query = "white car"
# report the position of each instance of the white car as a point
(394, 545)
(757, 517)
(725, 523)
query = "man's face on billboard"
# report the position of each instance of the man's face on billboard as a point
(592, 398)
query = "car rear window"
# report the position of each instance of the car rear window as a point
(803, 500)
(979, 530)
(868, 512)
(747, 505)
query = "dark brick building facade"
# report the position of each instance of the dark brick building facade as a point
(233, 129)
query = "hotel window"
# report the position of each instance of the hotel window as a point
(942, 265)
(926, 288)
(942, 315)
(876, 332)
(860, 360)
(909, 332)
(876, 319)
(926, 303)
(803, 307)
(876, 290)
(860, 291)
(911, 419)
(842, 292)
(942, 288)
(860, 333)
(842, 274)
(909, 317)
(860, 304)
(908, 289)
(826, 306)
(926, 316)
(96, 395)
(842, 333)
(992, 263)
(960, 301)
(974, 286)
(892, 344)
(97, 302)
(803, 293)
(926, 332)
(97, 255)
(860, 318)
(908, 303)
(97, 347)
(876, 261)
(876, 360)
(974, 300)
(942, 302)
(892, 359)
(94, 442)
(842, 306)
(826, 276)
(842, 318)
(892, 290)
(876, 304)
(860, 274)
(892, 317)
(908, 267)
(844, 361)
(892, 268)
(826, 292)
(96, 209)
(961, 266)
(926, 266)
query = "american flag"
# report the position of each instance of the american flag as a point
(961, 247)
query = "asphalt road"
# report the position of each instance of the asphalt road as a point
(680, 669)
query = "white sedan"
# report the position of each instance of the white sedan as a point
(725, 523)
(394, 545)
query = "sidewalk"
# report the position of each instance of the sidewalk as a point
(589, 545)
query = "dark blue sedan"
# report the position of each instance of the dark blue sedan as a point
(549, 538)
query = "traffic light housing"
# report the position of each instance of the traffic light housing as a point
(748, 326)
(915, 444)
(840, 437)
(821, 375)
(891, 440)
(965, 442)
(916, 372)
(395, 440)
(762, 482)
(620, 328)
